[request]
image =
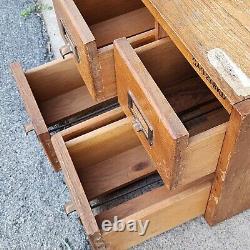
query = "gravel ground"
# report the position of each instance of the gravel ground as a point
(32, 195)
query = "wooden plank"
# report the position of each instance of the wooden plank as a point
(207, 121)
(34, 113)
(115, 172)
(54, 78)
(132, 77)
(108, 170)
(159, 31)
(174, 69)
(202, 154)
(106, 9)
(66, 105)
(188, 95)
(193, 35)
(92, 124)
(28, 98)
(172, 207)
(77, 193)
(89, 149)
(83, 39)
(231, 189)
(126, 25)
(107, 64)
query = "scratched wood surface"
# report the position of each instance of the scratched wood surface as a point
(199, 27)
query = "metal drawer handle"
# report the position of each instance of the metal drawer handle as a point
(70, 46)
(140, 122)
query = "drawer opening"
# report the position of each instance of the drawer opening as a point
(61, 95)
(109, 20)
(109, 157)
(190, 98)
(143, 198)
(109, 174)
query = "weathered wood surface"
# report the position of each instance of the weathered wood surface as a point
(206, 30)
(231, 190)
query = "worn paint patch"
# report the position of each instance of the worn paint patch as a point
(230, 72)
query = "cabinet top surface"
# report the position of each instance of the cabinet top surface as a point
(213, 33)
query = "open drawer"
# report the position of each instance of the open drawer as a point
(98, 168)
(168, 105)
(89, 29)
(53, 94)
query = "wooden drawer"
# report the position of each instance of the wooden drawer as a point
(53, 94)
(169, 106)
(90, 27)
(98, 164)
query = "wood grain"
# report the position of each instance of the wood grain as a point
(54, 78)
(126, 25)
(132, 76)
(92, 124)
(77, 193)
(34, 113)
(164, 210)
(194, 27)
(106, 9)
(231, 189)
(95, 33)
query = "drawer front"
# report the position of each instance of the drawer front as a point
(34, 113)
(81, 41)
(79, 198)
(158, 127)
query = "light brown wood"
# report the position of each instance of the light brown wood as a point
(28, 128)
(66, 105)
(132, 77)
(154, 205)
(92, 65)
(115, 165)
(165, 212)
(77, 193)
(174, 69)
(126, 25)
(34, 113)
(89, 148)
(69, 16)
(69, 207)
(106, 10)
(92, 124)
(159, 31)
(115, 172)
(202, 154)
(192, 24)
(107, 64)
(231, 189)
(53, 79)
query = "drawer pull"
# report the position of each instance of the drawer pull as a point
(65, 50)
(69, 207)
(140, 122)
(70, 45)
(28, 128)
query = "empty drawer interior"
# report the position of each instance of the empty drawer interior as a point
(119, 180)
(59, 90)
(112, 19)
(195, 105)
